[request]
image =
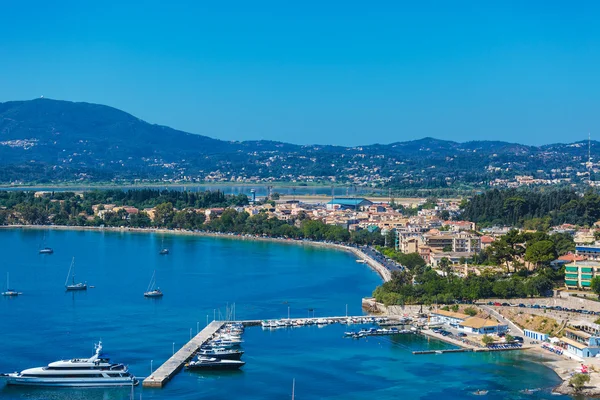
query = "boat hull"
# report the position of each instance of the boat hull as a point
(214, 367)
(225, 356)
(61, 382)
(75, 288)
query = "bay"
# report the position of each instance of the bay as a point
(201, 276)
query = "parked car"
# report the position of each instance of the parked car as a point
(462, 334)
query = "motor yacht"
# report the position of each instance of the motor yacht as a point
(212, 363)
(96, 371)
(221, 353)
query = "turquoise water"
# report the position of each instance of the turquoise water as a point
(201, 276)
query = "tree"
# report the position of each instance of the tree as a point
(578, 381)
(509, 338)
(446, 267)
(275, 196)
(163, 214)
(541, 252)
(390, 238)
(595, 285)
(470, 311)
(487, 340)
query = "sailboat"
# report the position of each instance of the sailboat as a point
(9, 291)
(46, 250)
(151, 292)
(73, 285)
(164, 251)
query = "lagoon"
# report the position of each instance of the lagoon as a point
(201, 276)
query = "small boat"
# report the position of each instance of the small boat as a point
(151, 292)
(480, 392)
(74, 286)
(211, 363)
(361, 261)
(10, 292)
(46, 249)
(221, 353)
(164, 251)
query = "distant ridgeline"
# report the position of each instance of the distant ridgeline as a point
(45, 141)
(533, 209)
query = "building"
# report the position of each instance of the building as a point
(476, 325)
(458, 242)
(542, 337)
(578, 275)
(447, 317)
(580, 343)
(590, 251)
(481, 326)
(347, 203)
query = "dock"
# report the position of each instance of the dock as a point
(165, 372)
(442, 351)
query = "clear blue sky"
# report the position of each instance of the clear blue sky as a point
(329, 72)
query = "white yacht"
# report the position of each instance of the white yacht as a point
(95, 371)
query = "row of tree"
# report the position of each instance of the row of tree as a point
(514, 207)
(423, 285)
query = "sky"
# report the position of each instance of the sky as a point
(327, 72)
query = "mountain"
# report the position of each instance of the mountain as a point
(45, 140)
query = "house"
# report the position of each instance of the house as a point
(580, 343)
(463, 322)
(447, 317)
(481, 326)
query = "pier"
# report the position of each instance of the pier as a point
(165, 372)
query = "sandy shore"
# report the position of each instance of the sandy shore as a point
(383, 272)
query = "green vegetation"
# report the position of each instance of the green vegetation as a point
(172, 209)
(578, 381)
(470, 311)
(487, 340)
(536, 209)
(411, 260)
(595, 285)
(514, 248)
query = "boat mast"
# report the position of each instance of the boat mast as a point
(69, 274)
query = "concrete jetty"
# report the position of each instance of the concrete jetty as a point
(165, 372)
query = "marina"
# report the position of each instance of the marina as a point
(144, 334)
(165, 372)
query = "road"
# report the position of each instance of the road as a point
(513, 328)
(380, 258)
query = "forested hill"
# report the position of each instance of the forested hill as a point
(45, 140)
(532, 209)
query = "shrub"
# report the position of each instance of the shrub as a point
(470, 311)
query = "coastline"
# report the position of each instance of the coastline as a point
(383, 273)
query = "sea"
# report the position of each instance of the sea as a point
(205, 278)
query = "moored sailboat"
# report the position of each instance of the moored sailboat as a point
(151, 292)
(74, 286)
(10, 292)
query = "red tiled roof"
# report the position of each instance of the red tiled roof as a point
(572, 257)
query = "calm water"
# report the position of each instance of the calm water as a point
(201, 276)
